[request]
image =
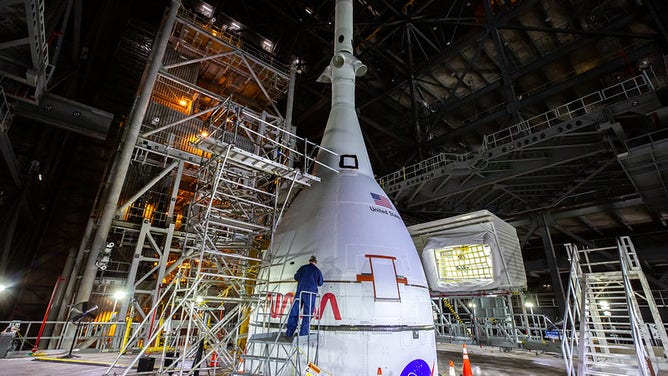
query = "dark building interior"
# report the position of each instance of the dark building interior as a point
(550, 114)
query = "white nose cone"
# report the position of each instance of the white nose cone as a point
(374, 306)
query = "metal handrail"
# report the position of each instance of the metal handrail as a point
(247, 130)
(642, 354)
(651, 138)
(585, 105)
(580, 107)
(430, 164)
(286, 139)
(533, 325)
(585, 334)
(263, 317)
(28, 333)
(572, 314)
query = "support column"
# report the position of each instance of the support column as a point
(290, 101)
(123, 160)
(134, 267)
(58, 301)
(288, 111)
(413, 89)
(525, 317)
(175, 193)
(8, 238)
(512, 105)
(70, 284)
(552, 263)
(162, 266)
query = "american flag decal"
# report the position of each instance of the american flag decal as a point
(381, 200)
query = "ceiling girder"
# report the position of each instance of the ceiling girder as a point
(449, 106)
(584, 180)
(548, 92)
(589, 224)
(552, 159)
(383, 129)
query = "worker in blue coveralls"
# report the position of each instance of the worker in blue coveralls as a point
(308, 279)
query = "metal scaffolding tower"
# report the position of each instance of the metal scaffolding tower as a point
(208, 179)
(208, 292)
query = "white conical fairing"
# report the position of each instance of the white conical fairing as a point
(342, 133)
(375, 306)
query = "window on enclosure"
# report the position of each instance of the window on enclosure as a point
(464, 262)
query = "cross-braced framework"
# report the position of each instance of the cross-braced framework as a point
(209, 180)
(209, 289)
(8, 154)
(28, 71)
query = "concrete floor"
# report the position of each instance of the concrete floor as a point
(27, 366)
(490, 361)
(484, 361)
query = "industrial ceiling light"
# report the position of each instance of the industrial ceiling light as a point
(183, 102)
(205, 9)
(267, 45)
(204, 133)
(119, 294)
(3, 287)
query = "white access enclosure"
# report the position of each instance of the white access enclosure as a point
(471, 252)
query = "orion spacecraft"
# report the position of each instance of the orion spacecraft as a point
(374, 307)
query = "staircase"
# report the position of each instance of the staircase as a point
(605, 332)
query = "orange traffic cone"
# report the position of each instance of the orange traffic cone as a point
(466, 368)
(214, 360)
(312, 368)
(380, 371)
(452, 369)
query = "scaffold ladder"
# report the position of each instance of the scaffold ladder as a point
(232, 215)
(269, 352)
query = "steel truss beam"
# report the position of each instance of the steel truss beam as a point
(552, 159)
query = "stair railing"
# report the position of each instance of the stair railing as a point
(572, 312)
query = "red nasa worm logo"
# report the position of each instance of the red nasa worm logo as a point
(279, 302)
